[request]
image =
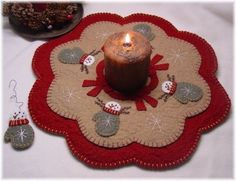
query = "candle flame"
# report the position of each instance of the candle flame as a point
(127, 38)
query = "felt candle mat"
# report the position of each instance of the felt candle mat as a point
(157, 127)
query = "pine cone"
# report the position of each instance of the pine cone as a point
(26, 15)
(61, 16)
(44, 14)
(6, 9)
(72, 8)
(35, 25)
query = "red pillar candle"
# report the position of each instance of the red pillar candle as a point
(127, 59)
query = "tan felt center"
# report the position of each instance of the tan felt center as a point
(155, 127)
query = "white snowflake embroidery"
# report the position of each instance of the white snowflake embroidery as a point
(69, 95)
(176, 55)
(142, 31)
(107, 122)
(21, 134)
(186, 90)
(154, 122)
(72, 55)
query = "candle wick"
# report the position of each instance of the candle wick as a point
(126, 44)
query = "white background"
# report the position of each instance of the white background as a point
(49, 156)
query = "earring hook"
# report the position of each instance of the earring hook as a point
(15, 94)
(13, 80)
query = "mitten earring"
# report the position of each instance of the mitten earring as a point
(19, 132)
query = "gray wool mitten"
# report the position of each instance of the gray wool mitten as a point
(19, 133)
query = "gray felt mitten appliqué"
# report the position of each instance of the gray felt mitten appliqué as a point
(107, 120)
(70, 56)
(107, 124)
(145, 30)
(187, 92)
(19, 133)
(77, 56)
(181, 91)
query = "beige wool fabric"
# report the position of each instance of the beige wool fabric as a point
(155, 127)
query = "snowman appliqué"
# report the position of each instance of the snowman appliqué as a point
(78, 56)
(107, 120)
(181, 91)
(19, 132)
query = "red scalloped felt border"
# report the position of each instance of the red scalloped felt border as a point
(146, 157)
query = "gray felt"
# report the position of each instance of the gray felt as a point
(106, 124)
(70, 56)
(21, 137)
(145, 30)
(187, 92)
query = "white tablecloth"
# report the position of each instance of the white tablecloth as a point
(49, 156)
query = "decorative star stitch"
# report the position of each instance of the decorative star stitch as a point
(154, 122)
(69, 95)
(176, 55)
(21, 134)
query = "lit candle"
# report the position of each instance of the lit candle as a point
(127, 59)
(127, 42)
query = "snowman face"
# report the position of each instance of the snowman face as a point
(113, 105)
(166, 86)
(89, 60)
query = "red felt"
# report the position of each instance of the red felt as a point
(150, 100)
(156, 59)
(140, 105)
(95, 91)
(140, 155)
(89, 83)
(39, 7)
(161, 67)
